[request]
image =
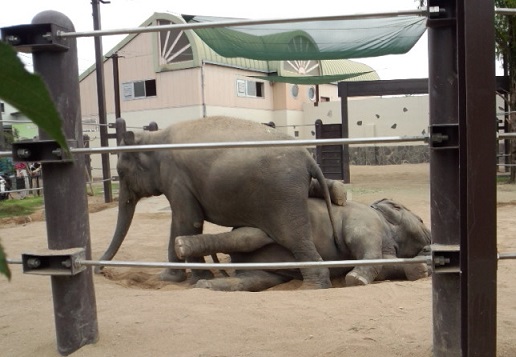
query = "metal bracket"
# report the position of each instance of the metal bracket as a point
(438, 16)
(54, 262)
(35, 37)
(444, 136)
(44, 151)
(436, 11)
(445, 258)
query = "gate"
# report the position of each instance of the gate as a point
(332, 158)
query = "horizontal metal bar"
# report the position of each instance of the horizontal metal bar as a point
(14, 261)
(233, 23)
(502, 256)
(241, 144)
(257, 266)
(23, 190)
(505, 11)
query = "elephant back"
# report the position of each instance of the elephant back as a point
(222, 129)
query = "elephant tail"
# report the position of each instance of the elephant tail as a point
(316, 172)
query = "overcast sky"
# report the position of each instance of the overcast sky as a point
(131, 13)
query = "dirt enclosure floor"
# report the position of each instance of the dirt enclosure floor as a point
(140, 316)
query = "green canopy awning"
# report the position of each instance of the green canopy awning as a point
(311, 79)
(313, 40)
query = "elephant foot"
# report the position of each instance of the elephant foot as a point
(183, 248)
(204, 284)
(417, 271)
(173, 275)
(353, 279)
(338, 193)
(213, 285)
(221, 284)
(198, 275)
(316, 278)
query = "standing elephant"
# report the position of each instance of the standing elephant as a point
(385, 229)
(264, 187)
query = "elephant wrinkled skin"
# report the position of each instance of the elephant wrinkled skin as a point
(385, 229)
(264, 187)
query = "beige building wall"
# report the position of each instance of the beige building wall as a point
(208, 89)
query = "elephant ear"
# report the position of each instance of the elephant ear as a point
(129, 138)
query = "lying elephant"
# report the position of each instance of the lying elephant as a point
(384, 229)
(265, 187)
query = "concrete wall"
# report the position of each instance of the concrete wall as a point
(377, 117)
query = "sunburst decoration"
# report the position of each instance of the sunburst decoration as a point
(174, 46)
(300, 44)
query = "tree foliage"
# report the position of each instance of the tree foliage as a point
(505, 47)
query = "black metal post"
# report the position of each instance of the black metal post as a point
(318, 135)
(444, 173)
(343, 94)
(66, 204)
(477, 110)
(462, 168)
(116, 85)
(101, 97)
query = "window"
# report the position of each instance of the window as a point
(295, 90)
(2, 108)
(311, 93)
(249, 89)
(139, 89)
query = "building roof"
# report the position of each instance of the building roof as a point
(185, 49)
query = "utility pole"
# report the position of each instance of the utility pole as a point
(101, 97)
(116, 84)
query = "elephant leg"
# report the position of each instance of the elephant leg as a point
(186, 220)
(296, 237)
(241, 240)
(401, 272)
(359, 276)
(257, 280)
(391, 272)
(337, 189)
(419, 271)
(363, 275)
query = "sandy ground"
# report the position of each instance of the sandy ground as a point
(140, 316)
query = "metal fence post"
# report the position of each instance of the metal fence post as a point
(66, 203)
(462, 168)
(477, 117)
(153, 126)
(444, 166)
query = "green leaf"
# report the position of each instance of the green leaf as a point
(28, 93)
(4, 268)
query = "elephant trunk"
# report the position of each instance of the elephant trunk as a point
(126, 208)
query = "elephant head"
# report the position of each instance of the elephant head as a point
(138, 173)
(410, 233)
